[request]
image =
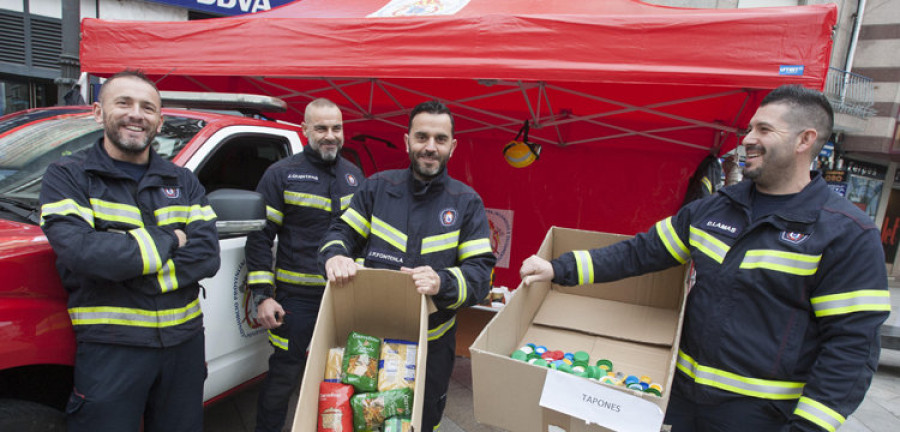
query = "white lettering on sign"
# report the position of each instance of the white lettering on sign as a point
(599, 404)
(243, 5)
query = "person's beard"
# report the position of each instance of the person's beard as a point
(332, 153)
(422, 170)
(129, 145)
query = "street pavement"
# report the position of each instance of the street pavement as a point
(879, 412)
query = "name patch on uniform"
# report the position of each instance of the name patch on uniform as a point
(392, 259)
(448, 217)
(722, 227)
(793, 237)
(303, 178)
(171, 192)
(351, 180)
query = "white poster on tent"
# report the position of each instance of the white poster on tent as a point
(501, 222)
(396, 8)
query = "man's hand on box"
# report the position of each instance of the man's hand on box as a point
(269, 313)
(340, 269)
(426, 279)
(536, 269)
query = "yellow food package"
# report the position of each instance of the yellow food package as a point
(397, 367)
(333, 365)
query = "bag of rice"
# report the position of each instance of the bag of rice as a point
(334, 364)
(397, 367)
(335, 414)
(361, 362)
(371, 409)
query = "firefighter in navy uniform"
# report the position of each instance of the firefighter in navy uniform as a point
(133, 234)
(781, 327)
(303, 194)
(426, 224)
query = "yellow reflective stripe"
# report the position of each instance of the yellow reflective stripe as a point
(386, 232)
(149, 255)
(183, 214)
(345, 201)
(819, 414)
(67, 207)
(299, 278)
(440, 242)
(462, 288)
(584, 266)
(333, 243)
(201, 213)
(786, 262)
(307, 200)
(436, 427)
(261, 277)
(670, 240)
(707, 184)
(278, 341)
(357, 222)
(855, 301)
(709, 245)
(360, 261)
(474, 247)
(116, 212)
(437, 332)
(166, 277)
(275, 216)
(93, 315)
(755, 387)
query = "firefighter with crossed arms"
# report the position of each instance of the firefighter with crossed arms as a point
(427, 224)
(781, 327)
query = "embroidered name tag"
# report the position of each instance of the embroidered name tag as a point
(722, 227)
(303, 178)
(391, 259)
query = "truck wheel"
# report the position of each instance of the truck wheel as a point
(27, 416)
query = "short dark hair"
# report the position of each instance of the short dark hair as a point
(809, 109)
(432, 107)
(127, 73)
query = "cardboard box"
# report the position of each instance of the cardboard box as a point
(635, 323)
(380, 303)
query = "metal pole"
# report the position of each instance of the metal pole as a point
(69, 66)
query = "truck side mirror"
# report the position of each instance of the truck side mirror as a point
(239, 212)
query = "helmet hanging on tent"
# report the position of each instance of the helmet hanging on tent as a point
(521, 153)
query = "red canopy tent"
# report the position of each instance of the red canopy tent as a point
(625, 97)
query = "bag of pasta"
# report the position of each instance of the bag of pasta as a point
(334, 364)
(371, 409)
(397, 367)
(397, 424)
(361, 362)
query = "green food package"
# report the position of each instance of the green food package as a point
(371, 409)
(397, 424)
(361, 362)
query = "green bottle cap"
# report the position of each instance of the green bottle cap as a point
(582, 358)
(519, 355)
(605, 364)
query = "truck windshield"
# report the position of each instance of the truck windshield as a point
(28, 147)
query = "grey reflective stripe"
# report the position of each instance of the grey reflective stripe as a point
(440, 242)
(787, 262)
(462, 288)
(116, 212)
(173, 214)
(258, 277)
(854, 301)
(109, 315)
(273, 215)
(519, 159)
(278, 341)
(670, 240)
(345, 201)
(199, 213)
(729, 381)
(389, 234)
(149, 254)
(437, 332)
(584, 266)
(307, 200)
(167, 277)
(709, 245)
(298, 278)
(819, 414)
(65, 207)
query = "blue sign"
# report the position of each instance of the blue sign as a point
(790, 70)
(226, 7)
(827, 149)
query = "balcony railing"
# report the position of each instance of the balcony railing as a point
(850, 93)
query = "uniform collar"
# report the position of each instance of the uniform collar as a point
(99, 161)
(436, 185)
(315, 158)
(804, 207)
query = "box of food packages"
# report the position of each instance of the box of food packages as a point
(631, 326)
(376, 305)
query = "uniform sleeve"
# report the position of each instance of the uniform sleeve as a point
(258, 249)
(67, 219)
(349, 233)
(469, 281)
(199, 258)
(850, 302)
(664, 245)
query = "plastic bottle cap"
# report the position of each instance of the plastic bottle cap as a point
(635, 386)
(646, 379)
(604, 363)
(582, 357)
(566, 368)
(540, 349)
(527, 349)
(653, 391)
(519, 355)
(631, 379)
